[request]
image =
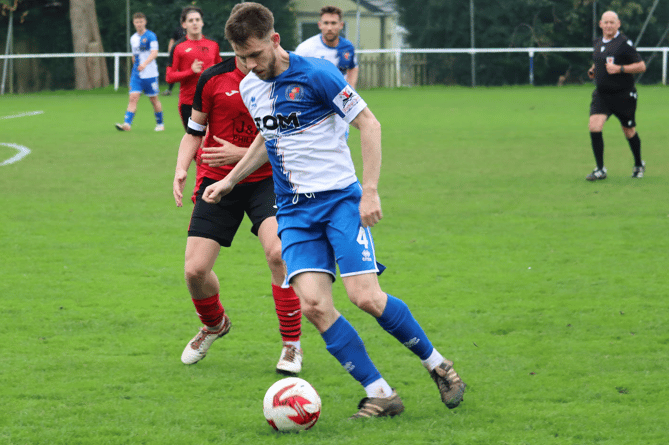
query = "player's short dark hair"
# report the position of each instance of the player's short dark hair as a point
(331, 10)
(248, 20)
(138, 15)
(188, 9)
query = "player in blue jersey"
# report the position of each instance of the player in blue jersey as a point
(302, 107)
(329, 45)
(144, 77)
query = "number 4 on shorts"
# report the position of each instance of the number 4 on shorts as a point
(362, 238)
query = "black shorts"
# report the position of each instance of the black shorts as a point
(220, 222)
(622, 105)
(185, 111)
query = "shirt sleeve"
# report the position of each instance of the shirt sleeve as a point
(201, 92)
(153, 42)
(336, 93)
(300, 50)
(631, 52)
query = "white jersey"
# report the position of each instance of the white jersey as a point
(342, 56)
(303, 114)
(141, 50)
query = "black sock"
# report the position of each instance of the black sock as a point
(170, 86)
(635, 146)
(598, 148)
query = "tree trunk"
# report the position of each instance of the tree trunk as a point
(89, 72)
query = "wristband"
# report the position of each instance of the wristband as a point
(622, 69)
(196, 129)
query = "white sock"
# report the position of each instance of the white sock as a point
(379, 388)
(295, 344)
(435, 359)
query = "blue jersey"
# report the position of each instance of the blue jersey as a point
(141, 50)
(342, 56)
(303, 114)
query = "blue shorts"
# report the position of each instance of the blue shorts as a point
(147, 86)
(321, 230)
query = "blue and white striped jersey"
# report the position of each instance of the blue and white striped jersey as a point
(303, 114)
(141, 49)
(343, 56)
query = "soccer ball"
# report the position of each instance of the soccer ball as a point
(291, 404)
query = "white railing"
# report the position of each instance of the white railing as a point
(398, 52)
(472, 51)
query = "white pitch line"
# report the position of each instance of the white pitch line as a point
(27, 113)
(22, 153)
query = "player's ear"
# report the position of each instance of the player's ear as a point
(275, 39)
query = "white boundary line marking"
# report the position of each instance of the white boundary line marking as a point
(22, 150)
(27, 113)
(22, 153)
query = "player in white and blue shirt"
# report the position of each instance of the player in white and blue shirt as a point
(330, 45)
(342, 56)
(144, 76)
(301, 107)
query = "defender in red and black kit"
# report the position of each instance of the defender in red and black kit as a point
(615, 63)
(189, 57)
(219, 114)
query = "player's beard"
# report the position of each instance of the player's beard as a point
(268, 72)
(331, 38)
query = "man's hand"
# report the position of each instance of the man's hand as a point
(141, 67)
(197, 66)
(178, 185)
(591, 73)
(370, 208)
(612, 68)
(213, 193)
(226, 154)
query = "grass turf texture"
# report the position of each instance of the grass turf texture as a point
(548, 291)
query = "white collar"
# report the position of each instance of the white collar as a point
(607, 41)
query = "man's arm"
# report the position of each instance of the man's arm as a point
(370, 144)
(632, 68)
(352, 76)
(187, 151)
(255, 157)
(151, 58)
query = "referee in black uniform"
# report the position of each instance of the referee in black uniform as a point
(615, 63)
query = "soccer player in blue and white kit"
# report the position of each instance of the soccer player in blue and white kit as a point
(144, 77)
(302, 107)
(329, 45)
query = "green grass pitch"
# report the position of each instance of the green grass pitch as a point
(549, 292)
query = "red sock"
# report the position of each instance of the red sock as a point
(289, 312)
(210, 310)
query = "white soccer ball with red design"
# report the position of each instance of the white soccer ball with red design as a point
(292, 404)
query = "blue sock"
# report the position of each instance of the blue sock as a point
(159, 117)
(344, 343)
(398, 321)
(129, 116)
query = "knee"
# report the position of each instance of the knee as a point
(629, 132)
(195, 272)
(313, 309)
(372, 301)
(274, 260)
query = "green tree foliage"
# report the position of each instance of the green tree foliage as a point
(519, 24)
(43, 26)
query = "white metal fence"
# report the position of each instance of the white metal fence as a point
(393, 62)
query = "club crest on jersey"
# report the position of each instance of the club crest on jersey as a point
(294, 92)
(346, 99)
(347, 55)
